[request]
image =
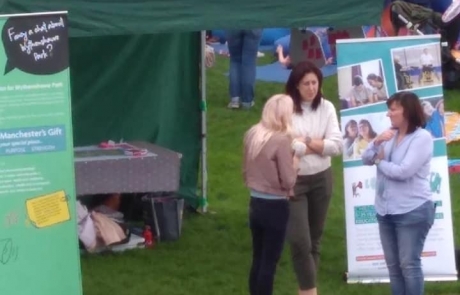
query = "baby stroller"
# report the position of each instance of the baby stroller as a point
(400, 16)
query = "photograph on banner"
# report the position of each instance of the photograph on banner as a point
(360, 130)
(416, 67)
(433, 107)
(362, 84)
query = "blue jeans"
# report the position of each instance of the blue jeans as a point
(243, 46)
(403, 238)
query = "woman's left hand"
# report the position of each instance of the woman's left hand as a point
(299, 147)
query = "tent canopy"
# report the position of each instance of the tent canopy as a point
(135, 65)
(121, 17)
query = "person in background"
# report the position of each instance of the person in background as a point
(210, 39)
(210, 56)
(282, 59)
(315, 124)
(243, 46)
(403, 202)
(270, 172)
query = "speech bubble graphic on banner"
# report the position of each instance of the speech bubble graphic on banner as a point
(36, 44)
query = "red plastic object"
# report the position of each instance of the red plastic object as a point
(148, 237)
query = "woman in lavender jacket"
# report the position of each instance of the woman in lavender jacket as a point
(403, 201)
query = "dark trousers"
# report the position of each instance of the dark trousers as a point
(268, 221)
(308, 210)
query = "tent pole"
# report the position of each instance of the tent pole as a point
(204, 152)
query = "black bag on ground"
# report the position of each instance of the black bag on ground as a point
(163, 213)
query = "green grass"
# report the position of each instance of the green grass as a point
(214, 254)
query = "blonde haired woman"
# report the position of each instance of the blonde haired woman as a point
(270, 172)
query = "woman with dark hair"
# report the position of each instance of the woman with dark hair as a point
(365, 135)
(315, 123)
(403, 201)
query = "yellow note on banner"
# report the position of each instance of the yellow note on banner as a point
(48, 210)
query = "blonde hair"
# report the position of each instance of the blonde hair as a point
(276, 118)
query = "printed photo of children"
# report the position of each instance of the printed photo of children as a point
(362, 84)
(359, 131)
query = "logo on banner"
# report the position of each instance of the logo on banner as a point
(435, 182)
(367, 184)
(355, 186)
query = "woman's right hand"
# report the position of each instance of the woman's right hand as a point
(384, 136)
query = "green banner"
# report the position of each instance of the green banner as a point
(38, 229)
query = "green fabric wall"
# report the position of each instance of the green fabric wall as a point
(142, 87)
(112, 17)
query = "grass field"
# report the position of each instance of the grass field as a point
(214, 254)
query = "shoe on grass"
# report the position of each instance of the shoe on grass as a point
(234, 103)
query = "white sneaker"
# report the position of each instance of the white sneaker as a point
(234, 103)
(247, 106)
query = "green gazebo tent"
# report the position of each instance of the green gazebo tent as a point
(136, 66)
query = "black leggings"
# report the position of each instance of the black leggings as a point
(268, 221)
